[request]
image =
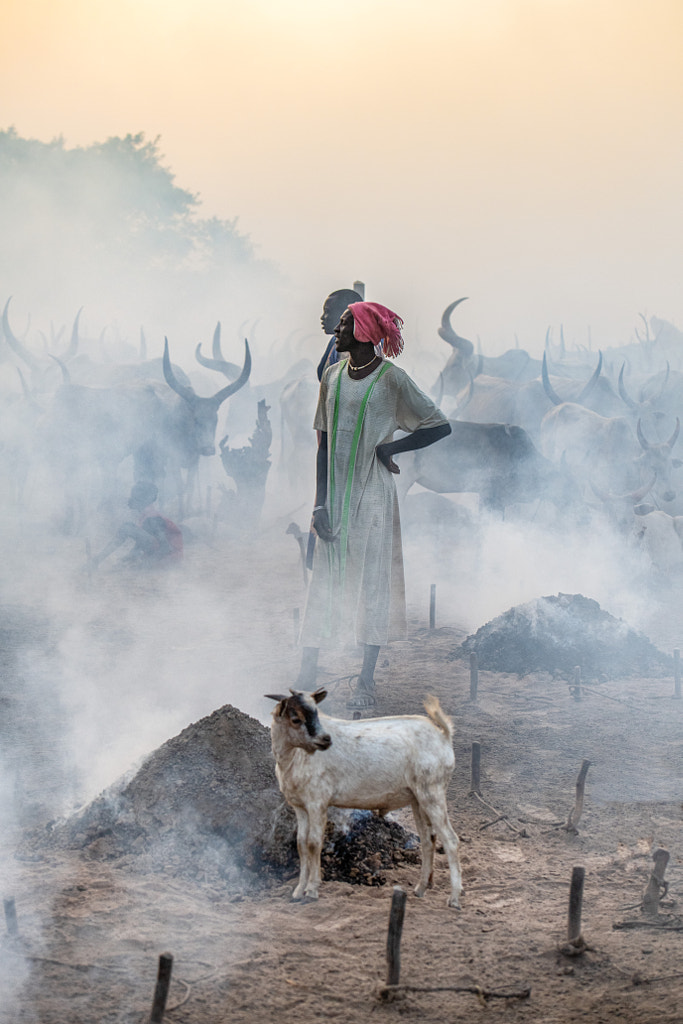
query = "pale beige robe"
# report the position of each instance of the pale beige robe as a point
(364, 603)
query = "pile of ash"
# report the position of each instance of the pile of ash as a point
(206, 805)
(555, 634)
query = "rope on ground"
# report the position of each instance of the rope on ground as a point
(499, 817)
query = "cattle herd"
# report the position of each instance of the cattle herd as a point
(590, 435)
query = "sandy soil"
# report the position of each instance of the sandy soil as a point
(91, 932)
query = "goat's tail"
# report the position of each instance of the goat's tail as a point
(436, 715)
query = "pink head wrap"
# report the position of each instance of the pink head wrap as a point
(376, 325)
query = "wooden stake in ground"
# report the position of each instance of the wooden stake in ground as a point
(162, 987)
(656, 887)
(474, 676)
(576, 945)
(11, 917)
(475, 777)
(398, 907)
(432, 606)
(88, 560)
(576, 687)
(575, 813)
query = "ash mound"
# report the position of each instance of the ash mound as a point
(206, 805)
(555, 634)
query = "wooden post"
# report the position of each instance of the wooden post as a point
(475, 783)
(11, 917)
(88, 559)
(656, 883)
(359, 286)
(356, 715)
(677, 674)
(576, 688)
(398, 906)
(474, 676)
(575, 813)
(432, 606)
(575, 902)
(162, 987)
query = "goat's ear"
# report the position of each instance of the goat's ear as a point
(275, 696)
(319, 695)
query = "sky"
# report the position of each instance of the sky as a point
(527, 154)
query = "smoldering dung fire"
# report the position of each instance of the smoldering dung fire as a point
(559, 633)
(206, 805)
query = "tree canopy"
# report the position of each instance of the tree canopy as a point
(107, 225)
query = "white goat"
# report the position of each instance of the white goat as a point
(376, 764)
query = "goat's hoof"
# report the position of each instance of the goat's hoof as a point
(420, 891)
(310, 897)
(454, 903)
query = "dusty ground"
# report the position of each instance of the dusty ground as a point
(90, 932)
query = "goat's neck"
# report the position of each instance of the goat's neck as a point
(283, 752)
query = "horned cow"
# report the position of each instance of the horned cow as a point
(379, 764)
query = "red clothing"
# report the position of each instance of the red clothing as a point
(167, 534)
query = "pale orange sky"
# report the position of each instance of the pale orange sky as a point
(526, 153)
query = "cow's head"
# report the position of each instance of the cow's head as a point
(298, 713)
(204, 411)
(657, 458)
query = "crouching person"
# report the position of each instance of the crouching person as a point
(156, 540)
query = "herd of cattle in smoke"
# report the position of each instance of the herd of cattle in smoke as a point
(587, 435)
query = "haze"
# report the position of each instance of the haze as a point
(526, 154)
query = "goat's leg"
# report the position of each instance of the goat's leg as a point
(434, 807)
(427, 848)
(302, 847)
(316, 828)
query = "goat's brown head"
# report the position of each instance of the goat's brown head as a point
(299, 713)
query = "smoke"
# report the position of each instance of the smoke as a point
(105, 227)
(105, 665)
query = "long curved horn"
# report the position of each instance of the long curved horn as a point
(17, 346)
(633, 496)
(547, 386)
(653, 400)
(66, 376)
(647, 340)
(73, 342)
(28, 394)
(674, 437)
(230, 389)
(184, 390)
(644, 443)
(592, 382)
(625, 397)
(216, 343)
(447, 334)
(229, 370)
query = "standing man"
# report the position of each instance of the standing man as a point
(333, 307)
(357, 589)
